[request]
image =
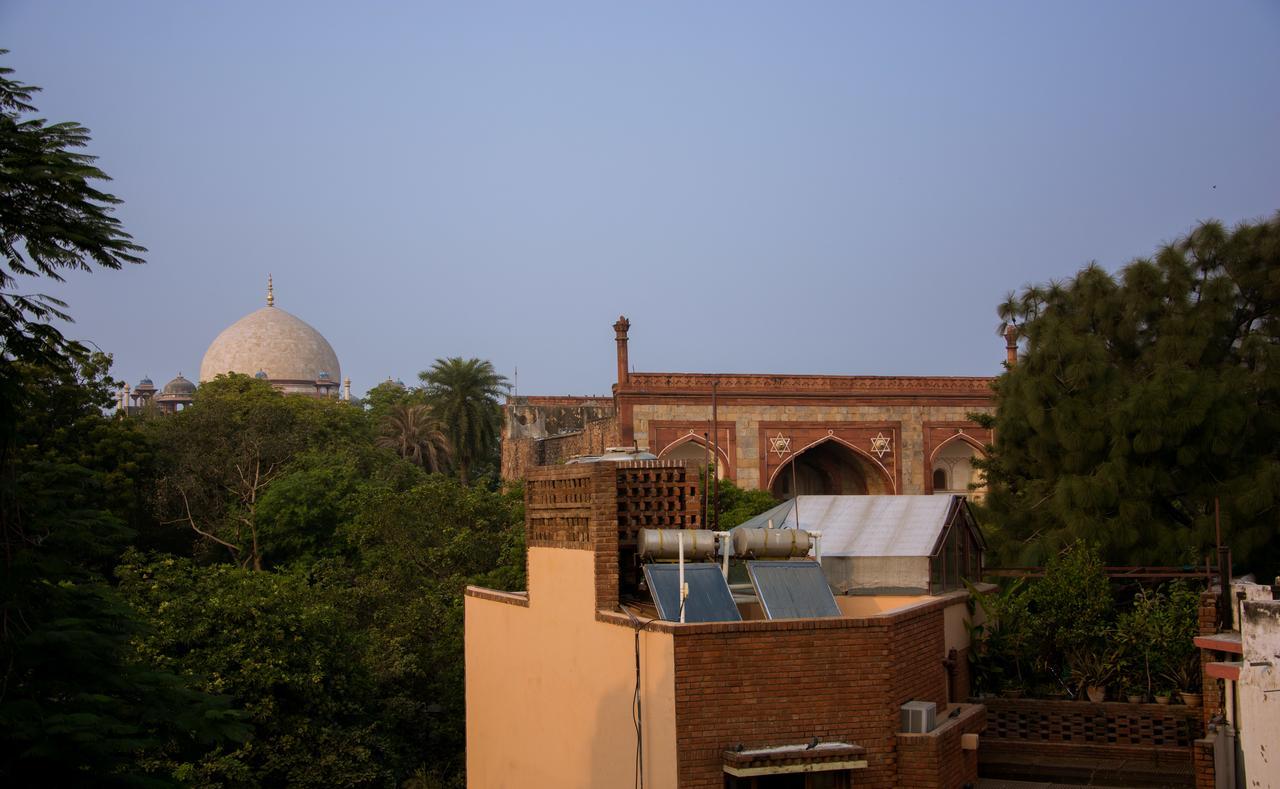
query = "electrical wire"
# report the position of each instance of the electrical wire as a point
(636, 717)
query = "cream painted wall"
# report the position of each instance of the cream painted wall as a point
(549, 689)
(1259, 711)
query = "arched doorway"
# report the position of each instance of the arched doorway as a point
(830, 468)
(693, 449)
(954, 471)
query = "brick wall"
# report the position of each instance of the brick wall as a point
(1202, 758)
(936, 760)
(1210, 687)
(777, 683)
(1138, 738)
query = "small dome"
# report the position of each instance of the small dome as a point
(270, 339)
(179, 386)
(145, 382)
(323, 375)
(261, 375)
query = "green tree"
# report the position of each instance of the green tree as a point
(52, 220)
(1138, 399)
(379, 400)
(418, 551)
(284, 649)
(219, 456)
(464, 394)
(736, 505)
(413, 432)
(76, 709)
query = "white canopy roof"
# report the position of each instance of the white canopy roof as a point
(865, 525)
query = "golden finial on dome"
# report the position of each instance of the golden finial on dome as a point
(271, 293)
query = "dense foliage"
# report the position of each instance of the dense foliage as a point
(464, 396)
(734, 505)
(1060, 634)
(1138, 400)
(52, 219)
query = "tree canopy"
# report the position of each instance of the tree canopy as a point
(1139, 399)
(464, 395)
(52, 220)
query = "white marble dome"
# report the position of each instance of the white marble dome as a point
(291, 353)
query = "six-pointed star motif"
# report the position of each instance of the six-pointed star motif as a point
(881, 444)
(780, 444)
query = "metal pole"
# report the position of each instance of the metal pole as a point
(684, 590)
(795, 490)
(715, 454)
(1225, 619)
(706, 483)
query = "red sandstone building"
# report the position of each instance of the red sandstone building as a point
(824, 434)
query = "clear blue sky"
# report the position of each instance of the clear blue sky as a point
(815, 187)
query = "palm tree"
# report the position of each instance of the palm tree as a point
(463, 394)
(413, 432)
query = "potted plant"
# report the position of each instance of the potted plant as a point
(1092, 668)
(1135, 692)
(1163, 695)
(1013, 689)
(1184, 674)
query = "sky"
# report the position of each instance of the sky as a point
(815, 187)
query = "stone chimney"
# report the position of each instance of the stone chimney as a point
(620, 331)
(1011, 344)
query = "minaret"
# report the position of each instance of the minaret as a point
(346, 390)
(620, 331)
(1011, 344)
(126, 396)
(271, 293)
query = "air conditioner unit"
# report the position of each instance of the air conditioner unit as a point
(919, 717)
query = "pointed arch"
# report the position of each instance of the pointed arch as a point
(721, 455)
(865, 462)
(956, 467)
(963, 438)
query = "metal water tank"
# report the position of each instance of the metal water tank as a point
(662, 545)
(771, 543)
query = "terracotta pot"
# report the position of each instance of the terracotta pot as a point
(1162, 699)
(1136, 698)
(1012, 693)
(1190, 699)
(1097, 693)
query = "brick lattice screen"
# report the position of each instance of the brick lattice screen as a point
(1107, 723)
(656, 497)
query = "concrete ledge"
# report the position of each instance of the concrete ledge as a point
(1224, 669)
(1221, 642)
(493, 595)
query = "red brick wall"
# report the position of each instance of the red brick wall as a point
(778, 683)
(1134, 737)
(1211, 687)
(1202, 756)
(935, 760)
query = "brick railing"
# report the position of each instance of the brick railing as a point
(1158, 726)
(1111, 742)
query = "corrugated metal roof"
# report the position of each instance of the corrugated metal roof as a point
(865, 525)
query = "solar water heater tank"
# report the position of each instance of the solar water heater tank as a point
(664, 544)
(771, 543)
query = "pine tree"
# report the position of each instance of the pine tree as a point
(1140, 398)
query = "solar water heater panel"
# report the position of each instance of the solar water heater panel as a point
(792, 589)
(709, 597)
